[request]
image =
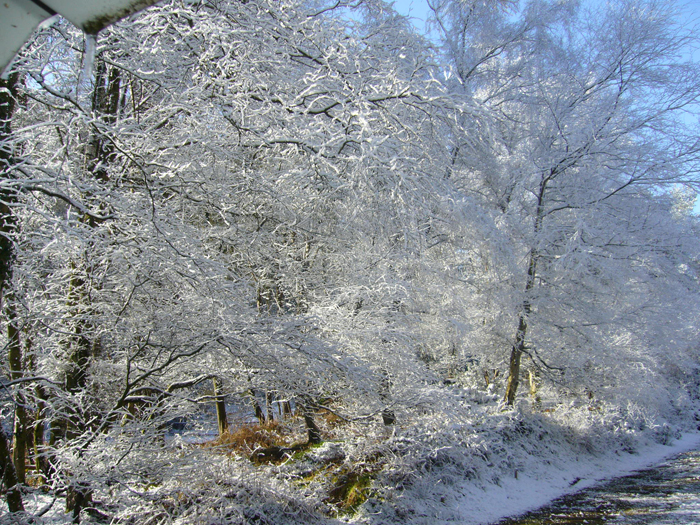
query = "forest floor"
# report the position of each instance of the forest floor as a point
(527, 459)
(479, 465)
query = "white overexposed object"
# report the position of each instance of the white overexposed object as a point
(18, 18)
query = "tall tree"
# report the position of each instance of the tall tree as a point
(587, 116)
(9, 200)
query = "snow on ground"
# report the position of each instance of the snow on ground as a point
(550, 481)
(503, 463)
(493, 465)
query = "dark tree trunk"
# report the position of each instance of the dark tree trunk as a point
(79, 496)
(9, 476)
(515, 359)
(40, 459)
(269, 416)
(519, 345)
(221, 417)
(19, 447)
(256, 407)
(313, 432)
(286, 408)
(8, 229)
(8, 220)
(388, 416)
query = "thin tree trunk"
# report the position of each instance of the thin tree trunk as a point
(8, 220)
(8, 230)
(388, 416)
(515, 358)
(286, 408)
(35, 433)
(314, 433)
(40, 460)
(79, 351)
(256, 407)
(21, 425)
(533, 386)
(519, 346)
(9, 476)
(221, 418)
(269, 416)
(19, 443)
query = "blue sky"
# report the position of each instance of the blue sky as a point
(416, 9)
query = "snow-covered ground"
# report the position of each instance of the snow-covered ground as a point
(509, 463)
(542, 485)
(517, 462)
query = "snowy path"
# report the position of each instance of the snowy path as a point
(666, 494)
(528, 492)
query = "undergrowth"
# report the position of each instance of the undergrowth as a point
(251, 436)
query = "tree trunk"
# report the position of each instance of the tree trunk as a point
(8, 220)
(99, 153)
(520, 335)
(314, 433)
(286, 408)
(21, 425)
(256, 407)
(514, 366)
(19, 442)
(9, 476)
(269, 416)
(79, 352)
(78, 497)
(221, 418)
(533, 385)
(388, 416)
(8, 230)
(40, 460)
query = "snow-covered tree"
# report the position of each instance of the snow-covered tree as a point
(587, 123)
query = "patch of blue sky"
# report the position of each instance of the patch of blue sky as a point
(416, 10)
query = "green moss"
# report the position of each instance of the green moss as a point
(358, 493)
(304, 449)
(350, 491)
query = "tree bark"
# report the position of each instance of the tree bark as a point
(269, 416)
(8, 229)
(221, 417)
(19, 444)
(16, 372)
(533, 386)
(8, 220)
(519, 346)
(256, 407)
(40, 460)
(79, 351)
(286, 408)
(78, 497)
(313, 432)
(9, 476)
(99, 153)
(388, 416)
(515, 358)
